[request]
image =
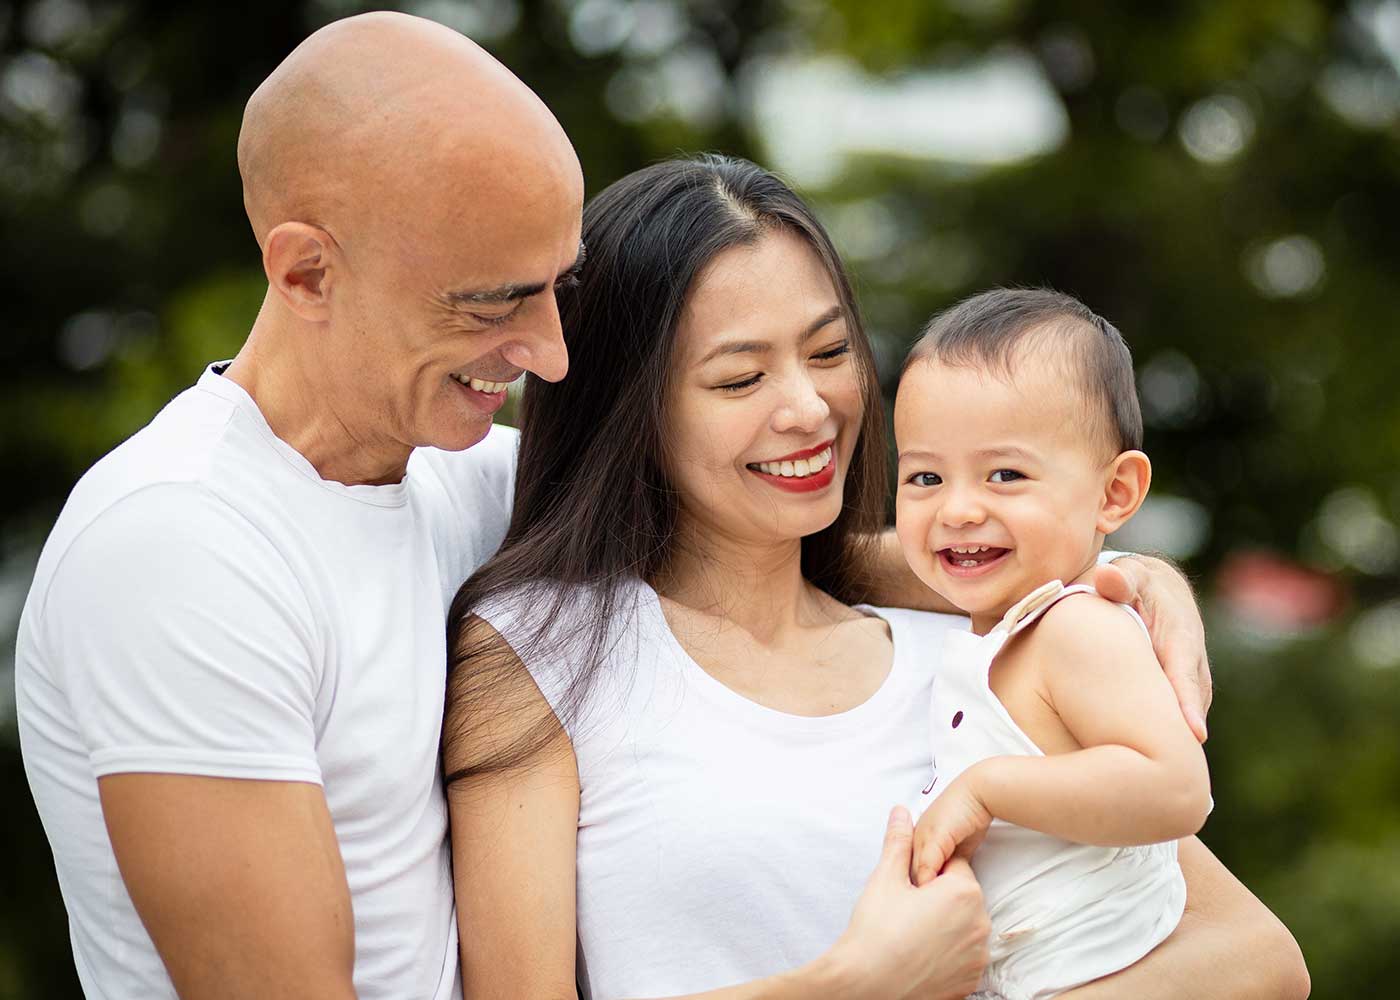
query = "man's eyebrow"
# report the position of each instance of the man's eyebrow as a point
(513, 292)
(762, 346)
(573, 270)
(495, 296)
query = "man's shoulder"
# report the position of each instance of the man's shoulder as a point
(491, 458)
(156, 486)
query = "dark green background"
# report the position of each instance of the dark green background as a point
(1259, 294)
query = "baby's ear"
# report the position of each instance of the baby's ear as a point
(1125, 488)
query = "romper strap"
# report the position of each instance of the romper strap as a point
(1028, 609)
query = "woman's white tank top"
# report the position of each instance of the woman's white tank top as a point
(720, 841)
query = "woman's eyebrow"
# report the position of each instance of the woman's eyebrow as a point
(762, 346)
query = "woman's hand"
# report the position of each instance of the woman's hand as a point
(1163, 597)
(926, 943)
(954, 825)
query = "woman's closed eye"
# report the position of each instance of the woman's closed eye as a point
(829, 355)
(746, 383)
(1005, 476)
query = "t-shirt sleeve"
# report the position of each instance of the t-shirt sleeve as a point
(185, 642)
(520, 617)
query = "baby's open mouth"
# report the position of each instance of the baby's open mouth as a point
(971, 556)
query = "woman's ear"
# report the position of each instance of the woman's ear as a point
(298, 260)
(1129, 476)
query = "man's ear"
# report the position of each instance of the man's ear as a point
(299, 261)
(1128, 477)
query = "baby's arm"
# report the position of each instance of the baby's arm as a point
(1141, 777)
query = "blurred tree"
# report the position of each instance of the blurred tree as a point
(1220, 179)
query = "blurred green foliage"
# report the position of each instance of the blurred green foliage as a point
(1225, 186)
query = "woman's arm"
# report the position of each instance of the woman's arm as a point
(1228, 946)
(514, 843)
(514, 835)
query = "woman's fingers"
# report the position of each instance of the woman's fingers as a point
(908, 942)
(898, 845)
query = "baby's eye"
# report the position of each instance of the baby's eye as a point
(1005, 476)
(925, 479)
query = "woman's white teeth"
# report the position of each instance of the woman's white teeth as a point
(798, 469)
(481, 385)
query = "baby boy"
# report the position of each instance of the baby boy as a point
(1062, 764)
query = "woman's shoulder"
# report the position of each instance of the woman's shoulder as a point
(539, 618)
(917, 624)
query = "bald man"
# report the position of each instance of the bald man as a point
(230, 666)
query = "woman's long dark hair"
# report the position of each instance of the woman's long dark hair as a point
(593, 504)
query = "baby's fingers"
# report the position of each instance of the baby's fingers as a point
(929, 855)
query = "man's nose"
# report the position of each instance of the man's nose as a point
(541, 349)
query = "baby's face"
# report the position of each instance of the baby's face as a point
(1001, 483)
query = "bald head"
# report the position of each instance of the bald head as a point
(388, 117)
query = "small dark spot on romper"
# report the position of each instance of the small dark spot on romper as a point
(957, 719)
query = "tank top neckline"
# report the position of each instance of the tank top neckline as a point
(754, 713)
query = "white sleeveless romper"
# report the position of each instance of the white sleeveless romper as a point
(1062, 913)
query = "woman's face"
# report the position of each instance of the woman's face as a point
(766, 406)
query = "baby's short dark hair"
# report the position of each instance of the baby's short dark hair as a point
(989, 328)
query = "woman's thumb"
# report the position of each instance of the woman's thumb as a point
(898, 848)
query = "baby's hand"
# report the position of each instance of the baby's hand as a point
(955, 823)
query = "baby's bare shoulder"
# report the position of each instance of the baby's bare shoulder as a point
(1084, 630)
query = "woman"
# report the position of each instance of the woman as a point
(671, 739)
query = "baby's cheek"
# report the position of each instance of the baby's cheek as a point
(914, 545)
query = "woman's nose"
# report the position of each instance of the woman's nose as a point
(802, 408)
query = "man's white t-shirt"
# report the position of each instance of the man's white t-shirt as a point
(208, 605)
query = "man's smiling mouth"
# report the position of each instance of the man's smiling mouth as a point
(482, 385)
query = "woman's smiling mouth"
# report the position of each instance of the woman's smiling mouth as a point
(802, 471)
